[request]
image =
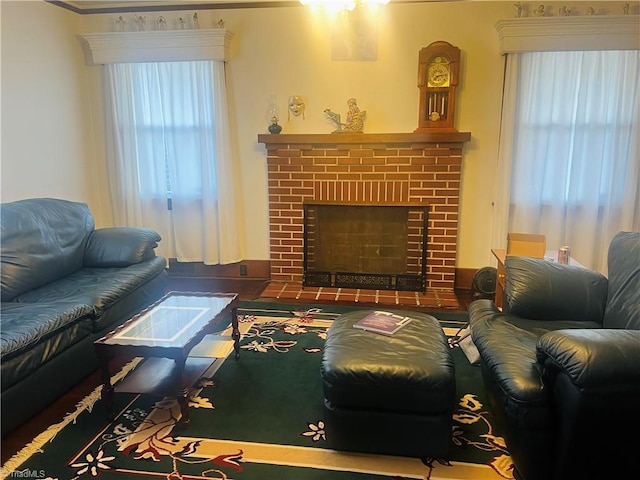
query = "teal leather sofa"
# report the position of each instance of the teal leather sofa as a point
(64, 284)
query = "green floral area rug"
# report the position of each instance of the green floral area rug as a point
(258, 418)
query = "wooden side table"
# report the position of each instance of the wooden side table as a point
(501, 255)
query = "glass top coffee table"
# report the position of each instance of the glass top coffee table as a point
(164, 334)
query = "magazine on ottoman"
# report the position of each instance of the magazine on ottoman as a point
(379, 321)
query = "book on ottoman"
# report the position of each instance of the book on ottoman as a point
(386, 323)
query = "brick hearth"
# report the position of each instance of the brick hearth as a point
(364, 169)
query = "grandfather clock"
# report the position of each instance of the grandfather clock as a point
(438, 74)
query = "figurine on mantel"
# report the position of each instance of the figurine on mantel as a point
(355, 118)
(121, 24)
(140, 22)
(518, 7)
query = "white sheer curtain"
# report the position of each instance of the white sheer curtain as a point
(569, 159)
(170, 160)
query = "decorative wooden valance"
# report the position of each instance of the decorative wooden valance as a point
(594, 32)
(158, 46)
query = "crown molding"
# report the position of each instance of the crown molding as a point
(157, 46)
(101, 7)
(595, 32)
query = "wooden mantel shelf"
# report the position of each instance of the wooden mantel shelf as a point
(361, 138)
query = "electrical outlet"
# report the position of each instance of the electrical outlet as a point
(243, 270)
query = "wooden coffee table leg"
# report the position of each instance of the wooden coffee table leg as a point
(235, 333)
(107, 389)
(183, 401)
(183, 398)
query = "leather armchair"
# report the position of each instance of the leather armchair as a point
(562, 365)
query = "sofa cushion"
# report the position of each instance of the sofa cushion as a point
(120, 247)
(32, 334)
(98, 287)
(623, 301)
(42, 240)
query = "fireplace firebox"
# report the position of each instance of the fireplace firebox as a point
(365, 246)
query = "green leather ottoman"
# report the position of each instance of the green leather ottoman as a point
(389, 395)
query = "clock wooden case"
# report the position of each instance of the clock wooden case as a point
(438, 75)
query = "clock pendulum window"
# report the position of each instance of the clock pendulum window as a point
(438, 73)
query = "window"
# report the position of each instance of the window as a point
(172, 118)
(576, 117)
(168, 136)
(574, 157)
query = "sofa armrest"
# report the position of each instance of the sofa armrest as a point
(120, 247)
(543, 290)
(482, 310)
(595, 360)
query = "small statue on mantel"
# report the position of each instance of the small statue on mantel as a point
(121, 24)
(518, 7)
(355, 118)
(140, 22)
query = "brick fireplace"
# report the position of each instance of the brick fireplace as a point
(356, 169)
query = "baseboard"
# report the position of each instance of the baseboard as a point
(246, 269)
(261, 269)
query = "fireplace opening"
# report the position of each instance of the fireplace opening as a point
(365, 246)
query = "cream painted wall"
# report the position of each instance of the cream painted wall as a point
(47, 136)
(279, 52)
(276, 52)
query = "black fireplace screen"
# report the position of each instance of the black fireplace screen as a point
(365, 246)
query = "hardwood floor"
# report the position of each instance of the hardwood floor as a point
(247, 289)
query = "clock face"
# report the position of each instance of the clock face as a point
(438, 74)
